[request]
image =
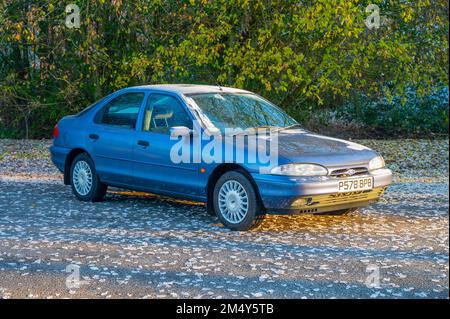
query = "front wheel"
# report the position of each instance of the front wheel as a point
(84, 180)
(236, 203)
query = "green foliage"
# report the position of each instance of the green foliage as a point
(299, 54)
(417, 116)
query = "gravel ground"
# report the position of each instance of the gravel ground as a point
(136, 245)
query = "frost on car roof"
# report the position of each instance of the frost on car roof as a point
(192, 88)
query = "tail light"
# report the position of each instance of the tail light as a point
(55, 131)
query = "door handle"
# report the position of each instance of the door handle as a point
(93, 136)
(143, 143)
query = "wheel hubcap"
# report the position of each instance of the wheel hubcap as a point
(82, 178)
(233, 202)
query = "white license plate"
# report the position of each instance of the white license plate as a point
(356, 184)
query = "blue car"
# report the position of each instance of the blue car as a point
(229, 148)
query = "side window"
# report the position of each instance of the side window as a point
(163, 112)
(123, 110)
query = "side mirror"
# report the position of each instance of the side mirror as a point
(182, 131)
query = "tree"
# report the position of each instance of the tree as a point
(296, 53)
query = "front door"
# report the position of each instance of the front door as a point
(154, 169)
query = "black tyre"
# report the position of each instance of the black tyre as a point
(236, 202)
(84, 180)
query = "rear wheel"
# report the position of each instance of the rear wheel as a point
(236, 203)
(84, 180)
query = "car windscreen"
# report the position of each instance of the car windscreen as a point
(241, 110)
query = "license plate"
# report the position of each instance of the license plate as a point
(357, 184)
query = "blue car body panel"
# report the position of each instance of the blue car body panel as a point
(153, 169)
(59, 155)
(113, 154)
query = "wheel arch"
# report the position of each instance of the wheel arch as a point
(217, 173)
(69, 159)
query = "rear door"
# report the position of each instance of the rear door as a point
(111, 138)
(154, 169)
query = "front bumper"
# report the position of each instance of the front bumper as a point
(287, 194)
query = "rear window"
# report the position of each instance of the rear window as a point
(122, 111)
(90, 107)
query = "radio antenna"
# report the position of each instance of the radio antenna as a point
(218, 85)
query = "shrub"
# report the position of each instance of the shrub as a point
(413, 115)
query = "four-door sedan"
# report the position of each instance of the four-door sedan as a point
(132, 139)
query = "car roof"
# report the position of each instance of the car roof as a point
(190, 88)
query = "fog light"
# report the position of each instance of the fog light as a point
(300, 202)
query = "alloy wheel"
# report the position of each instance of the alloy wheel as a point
(82, 178)
(233, 202)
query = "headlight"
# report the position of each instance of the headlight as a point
(376, 163)
(299, 170)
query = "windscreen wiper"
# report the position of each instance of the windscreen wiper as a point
(289, 127)
(254, 130)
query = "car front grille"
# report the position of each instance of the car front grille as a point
(341, 198)
(348, 172)
(327, 202)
